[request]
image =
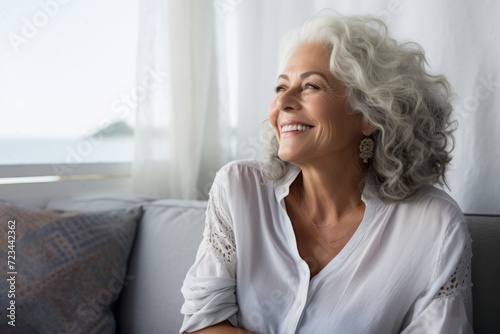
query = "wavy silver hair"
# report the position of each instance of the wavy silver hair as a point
(388, 84)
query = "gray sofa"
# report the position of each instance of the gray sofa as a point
(167, 238)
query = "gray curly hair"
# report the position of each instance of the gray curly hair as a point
(388, 84)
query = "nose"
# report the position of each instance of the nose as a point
(288, 101)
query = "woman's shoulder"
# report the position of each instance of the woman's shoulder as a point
(433, 205)
(241, 172)
(432, 217)
(237, 168)
(438, 199)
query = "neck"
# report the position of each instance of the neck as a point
(329, 192)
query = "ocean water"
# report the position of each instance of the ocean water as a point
(86, 150)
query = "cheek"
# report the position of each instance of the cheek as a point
(273, 116)
(273, 109)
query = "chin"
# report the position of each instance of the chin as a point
(287, 156)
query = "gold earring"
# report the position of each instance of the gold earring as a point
(366, 148)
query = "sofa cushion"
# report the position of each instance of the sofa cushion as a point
(69, 268)
(166, 244)
(485, 234)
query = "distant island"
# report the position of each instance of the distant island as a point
(115, 129)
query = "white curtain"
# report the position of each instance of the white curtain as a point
(177, 127)
(461, 39)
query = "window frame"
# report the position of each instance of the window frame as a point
(36, 185)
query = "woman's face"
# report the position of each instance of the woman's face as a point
(309, 113)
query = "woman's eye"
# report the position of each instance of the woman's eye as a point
(311, 86)
(279, 89)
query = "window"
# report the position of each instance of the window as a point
(67, 83)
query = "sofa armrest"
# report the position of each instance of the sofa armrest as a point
(485, 233)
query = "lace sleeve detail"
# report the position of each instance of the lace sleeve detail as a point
(460, 280)
(219, 234)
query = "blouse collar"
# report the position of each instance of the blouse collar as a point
(282, 187)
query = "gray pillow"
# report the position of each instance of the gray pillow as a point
(70, 268)
(167, 240)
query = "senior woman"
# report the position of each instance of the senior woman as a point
(341, 230)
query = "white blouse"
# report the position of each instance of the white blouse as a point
(406, 269)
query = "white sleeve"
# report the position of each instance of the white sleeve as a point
(210, 284)
(450, 310)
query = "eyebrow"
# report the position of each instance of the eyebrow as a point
(305, 75)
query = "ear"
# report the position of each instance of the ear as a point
(366, 128)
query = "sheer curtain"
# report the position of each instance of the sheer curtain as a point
(177, 128)
(461, 39)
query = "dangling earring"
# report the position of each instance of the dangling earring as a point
(366, 148)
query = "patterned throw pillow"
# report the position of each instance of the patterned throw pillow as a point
(68, 270)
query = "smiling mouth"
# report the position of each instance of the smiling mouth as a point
(295, 128)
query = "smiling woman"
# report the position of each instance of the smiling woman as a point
(310, 97)
(388, 93)
(341, 230)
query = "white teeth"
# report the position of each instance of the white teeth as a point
(295, 127)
